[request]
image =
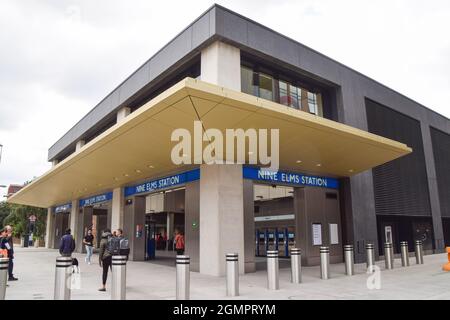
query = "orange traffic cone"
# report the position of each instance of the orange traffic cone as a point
(446, 267)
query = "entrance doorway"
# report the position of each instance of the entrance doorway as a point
(61, 225)
(274, 219)
(164, 219)
(99, 224)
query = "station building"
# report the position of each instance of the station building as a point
(359, 162)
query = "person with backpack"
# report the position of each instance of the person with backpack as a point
(105, 256)
(179, 243)
(119, 245)
(67, 244)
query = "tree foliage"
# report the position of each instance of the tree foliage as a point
(18, 218)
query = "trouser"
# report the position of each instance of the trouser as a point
(180, 252)
(106, 263)
(10, 267)
(89, 251)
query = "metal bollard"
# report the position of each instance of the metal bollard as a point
(324, 263)
(296, 265)
(405, 253)
(232, 274)
(370, 256)
(119, 278)
(183, 282)
(62, 278)
(349, 260)
(3, 277)
(388, 256)
(419, 252)
(272, 270)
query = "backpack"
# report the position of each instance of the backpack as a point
(124, 247)
(114, 246)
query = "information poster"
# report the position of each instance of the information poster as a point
(317, 234)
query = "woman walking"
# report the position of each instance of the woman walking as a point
(105, 257)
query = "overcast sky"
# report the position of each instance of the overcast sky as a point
(59, 58)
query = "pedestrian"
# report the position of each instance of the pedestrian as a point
(105, 257)
(88, 242)
(3, 244)
(179, 243)
(10, 247)
(67, 244)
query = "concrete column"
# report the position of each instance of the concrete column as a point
(50, 229)
(221, 65)
(73, 221)
(192, 224)
(80, 144)
(433, 191)
(54, 162)
(117, 208)
(134, 216)
(221, 217)
(84, 222)
(170, 226)
(123, 113)
(249, 227)
(57, 230)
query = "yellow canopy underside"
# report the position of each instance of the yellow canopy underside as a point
(139, 147)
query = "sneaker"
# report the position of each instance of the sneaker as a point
(13, 279)
(102, 289)
(89, 262)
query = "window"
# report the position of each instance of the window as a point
(265, 86)
(312, 103)
(249, 81)
(284, 98)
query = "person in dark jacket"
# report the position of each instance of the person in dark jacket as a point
(105, 257)
(67, 244)
(10, 247)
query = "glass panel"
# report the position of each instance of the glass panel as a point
(265, 86)
(293, 94)
(284, 98)
(249, 81)
(312, 102)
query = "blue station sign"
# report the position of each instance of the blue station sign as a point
(294, 179)
(63, 208)
(163, 183)
(96, 199)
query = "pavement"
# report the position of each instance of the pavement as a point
(35, 268)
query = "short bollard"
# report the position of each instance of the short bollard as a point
(296, 265)
(183, 275)
(419, 252)
(62, 278)
(388, 256)
(272, 270)
(119, 278)
(232, 274)
(3, 277)
(404, 253)
(324, 263)
(349, 260)
(370, 256)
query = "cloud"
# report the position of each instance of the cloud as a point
(60, 58)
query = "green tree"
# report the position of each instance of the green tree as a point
(5, 210)
(18, 218)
